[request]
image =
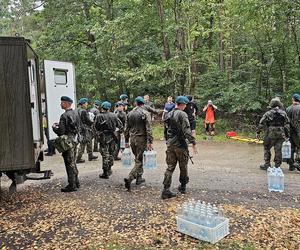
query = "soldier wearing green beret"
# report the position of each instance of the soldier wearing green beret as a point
(122, 116)
(276, 125)
(138, 129)
(178, 133)
(68, 126)
(95, 111)
(106, 124)
(86, 131)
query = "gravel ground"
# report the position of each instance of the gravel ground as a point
(102, 215)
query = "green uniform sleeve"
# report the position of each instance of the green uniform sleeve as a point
(186, 129)
(262, 123)
(120, 125)
(149, 128)
(127, 129)
(61, 129)
(287, 126)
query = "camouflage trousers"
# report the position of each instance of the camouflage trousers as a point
(277, 144)
(295, 148)
(70, 164)
(82, 147)
(174, 155)
(107, 150)
(138, 145)
(118, 144)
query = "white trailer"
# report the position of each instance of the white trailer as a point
(59, 81)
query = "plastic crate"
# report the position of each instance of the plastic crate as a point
(200, 232)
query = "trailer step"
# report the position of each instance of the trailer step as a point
(41, 175)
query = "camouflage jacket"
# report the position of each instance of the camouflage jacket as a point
(293, 113)
(178, 129)
(138, 124)
(275, 123)
(68, 124)
(107, 123)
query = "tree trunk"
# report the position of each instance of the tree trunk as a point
(180, 44)
(221, 38)
(165, 41)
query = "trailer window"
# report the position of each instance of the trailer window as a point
(60, 76)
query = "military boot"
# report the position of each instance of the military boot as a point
(139, 180)
(127, 184)
(13, 187)
(77, 182)
(104, 175)
(68, 189)
(264, 166)
(297, 165)
(80, 161)
(109, 172)
(167, 194)
(92, 157)
(182, 189)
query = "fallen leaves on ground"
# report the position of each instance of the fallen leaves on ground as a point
(100, 216)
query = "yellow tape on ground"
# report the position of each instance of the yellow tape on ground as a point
(251, 140)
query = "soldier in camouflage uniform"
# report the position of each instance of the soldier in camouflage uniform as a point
(86, 132)
(95, 111)
(178, 133)
(293, 113)
(138, 129)
(68, 125)
(275, 122)
(122, 117)
(106, 125)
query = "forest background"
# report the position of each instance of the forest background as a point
(239, 53)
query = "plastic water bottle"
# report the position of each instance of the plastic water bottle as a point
(271, 179)
(122, 142)
(286, 150)
(149, 159)
(280, 180)
(126, 158)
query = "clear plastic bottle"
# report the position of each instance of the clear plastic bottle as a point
(286, 150)
(280, 180)
(126, 158)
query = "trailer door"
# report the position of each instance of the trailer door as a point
(35, 112)
(59, 81)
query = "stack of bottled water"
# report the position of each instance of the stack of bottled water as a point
(275, 179)
(286, 150)
(149, 159)
(201, 213)
(126, 158)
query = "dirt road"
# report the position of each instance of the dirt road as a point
(102, 215)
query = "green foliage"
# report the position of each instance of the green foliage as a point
(238, 53)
